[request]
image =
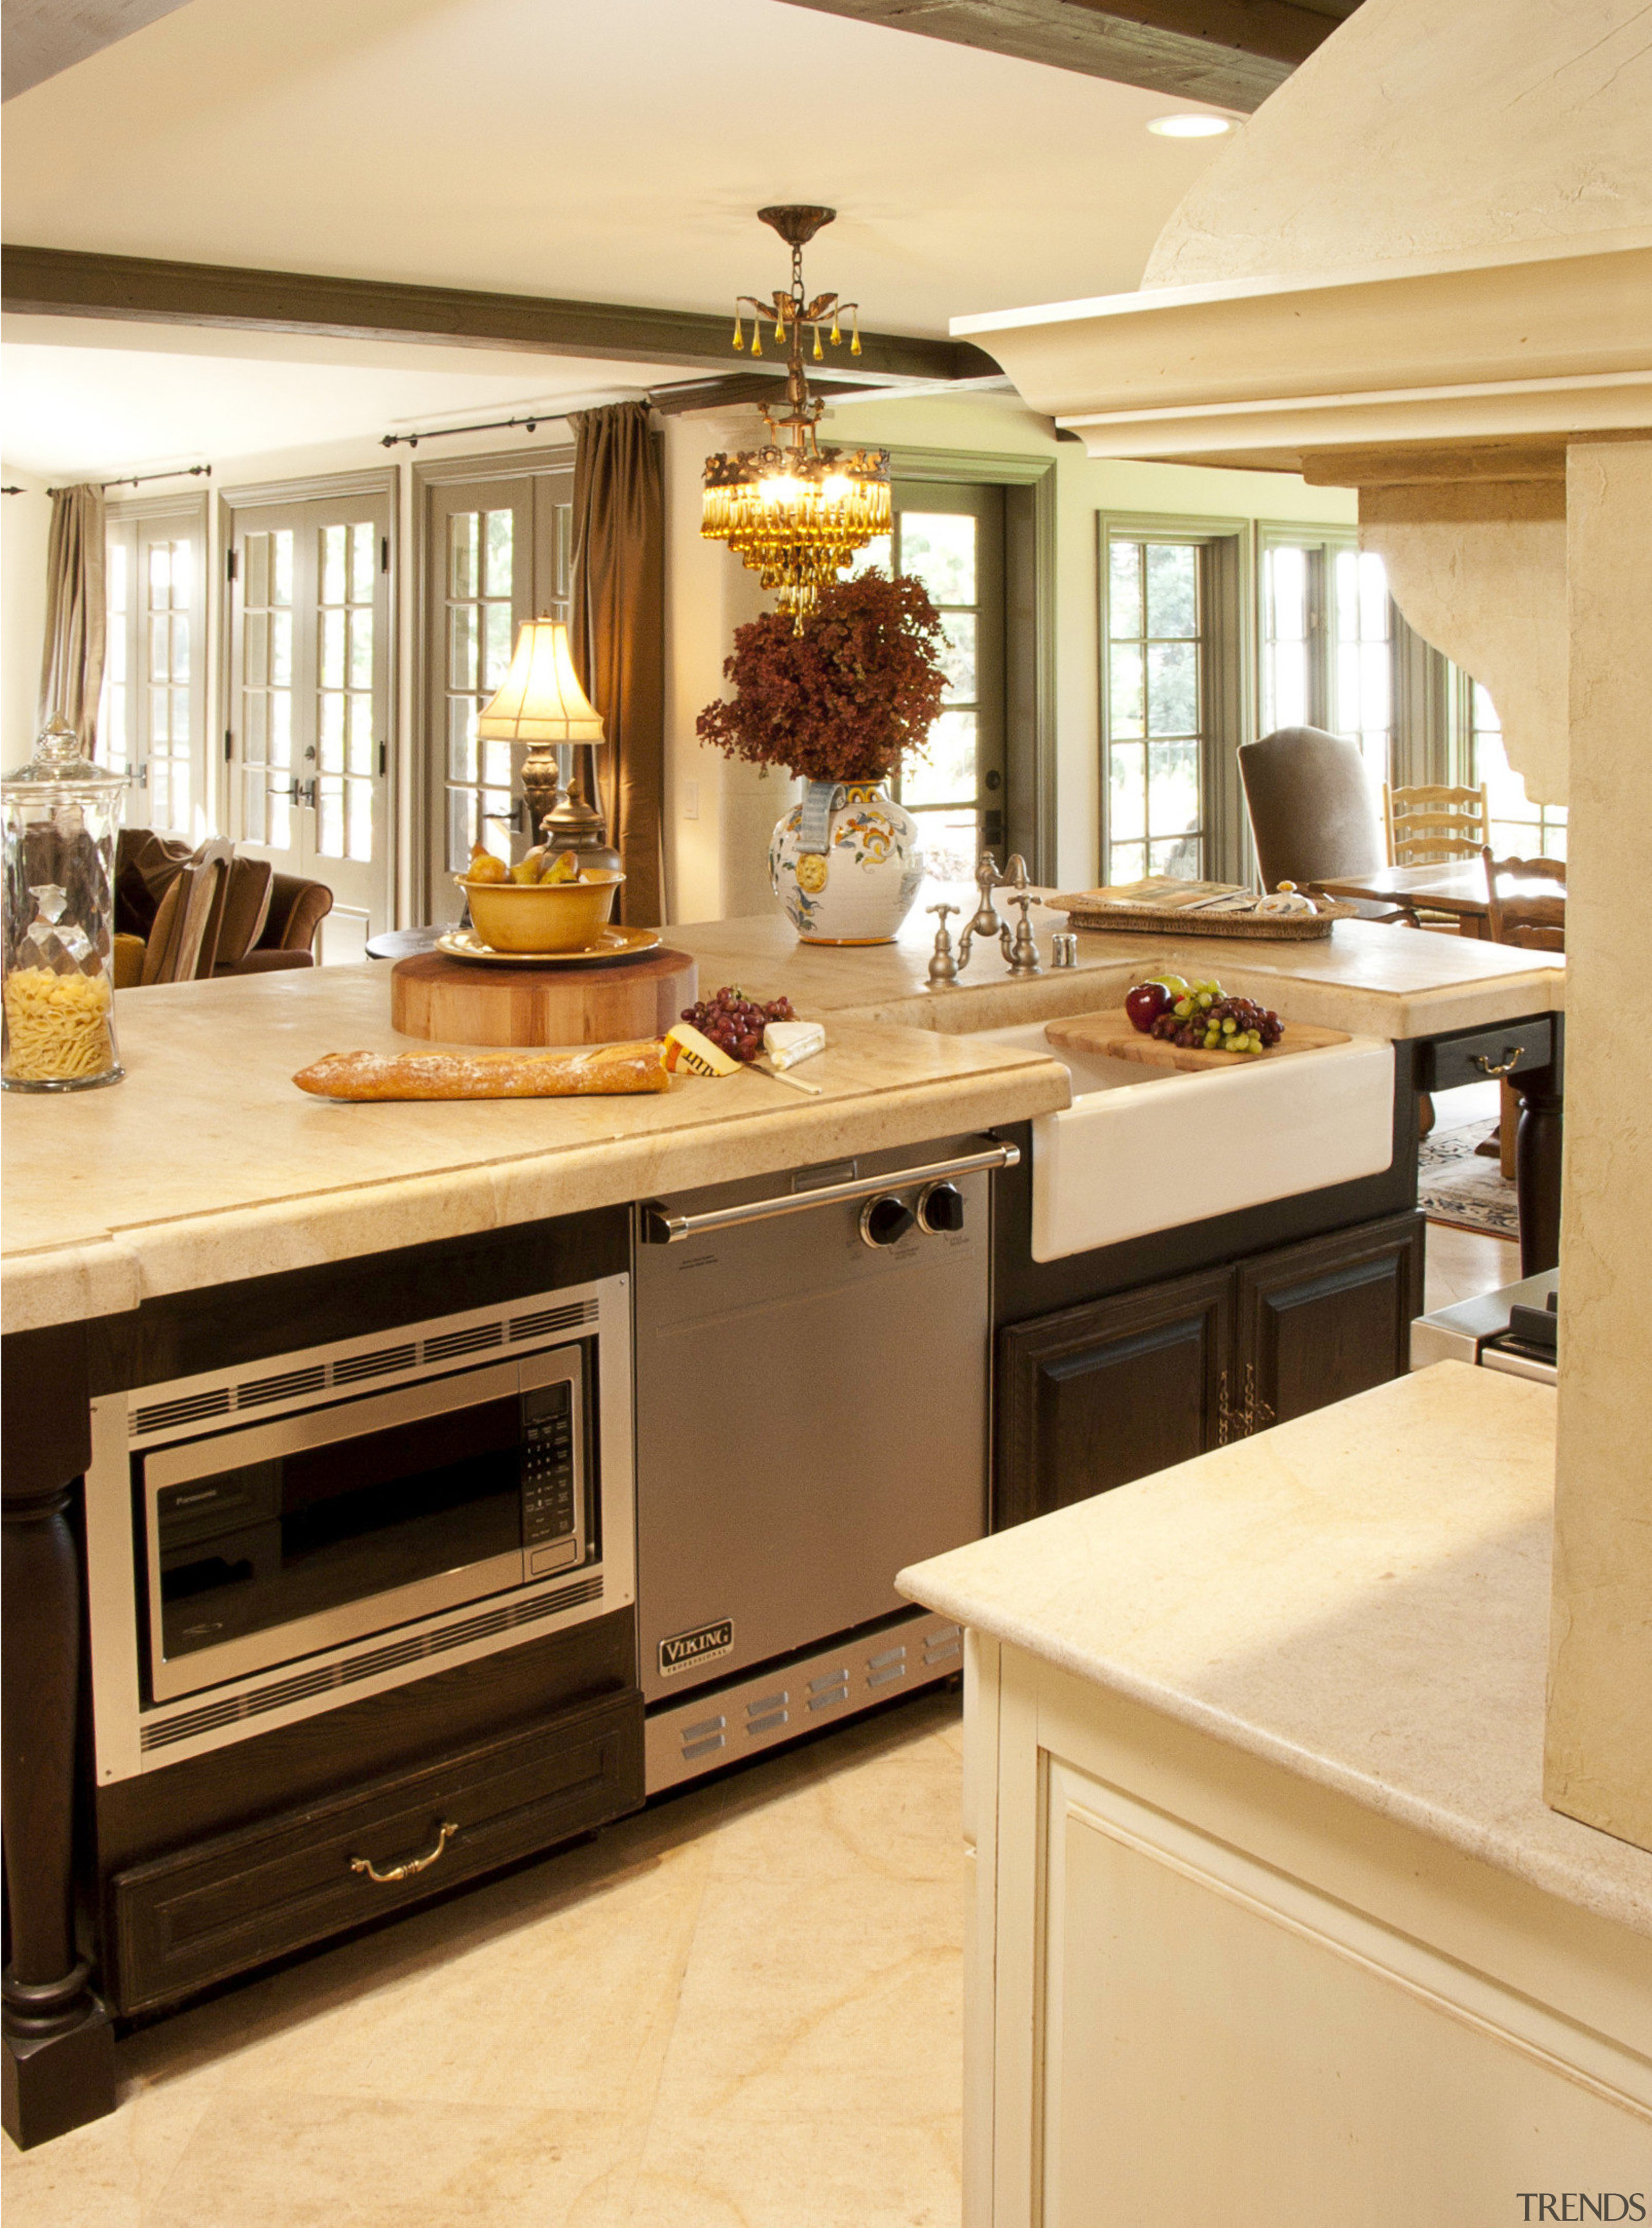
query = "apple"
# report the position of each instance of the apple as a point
(1144, 1003)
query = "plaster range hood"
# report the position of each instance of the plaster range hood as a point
(1512, 350)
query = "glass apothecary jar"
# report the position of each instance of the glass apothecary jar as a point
(62, 814)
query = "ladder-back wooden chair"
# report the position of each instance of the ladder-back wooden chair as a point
(1426, 824)
(1534, 921)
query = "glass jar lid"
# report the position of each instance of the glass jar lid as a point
(59, 765)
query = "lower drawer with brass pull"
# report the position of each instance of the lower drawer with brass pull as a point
(199, 1915)
(1512, 1048)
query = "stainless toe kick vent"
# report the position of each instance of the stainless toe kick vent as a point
(771, 1707)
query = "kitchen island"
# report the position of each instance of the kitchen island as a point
(1269, 1920)
(204, 1209)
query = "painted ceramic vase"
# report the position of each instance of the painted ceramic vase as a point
(846, 864)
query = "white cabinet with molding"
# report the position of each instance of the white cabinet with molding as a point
(1271, 1926)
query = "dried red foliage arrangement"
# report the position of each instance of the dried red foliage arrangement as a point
(846, 699)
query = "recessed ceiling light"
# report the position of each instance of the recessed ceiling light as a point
(1190, 127)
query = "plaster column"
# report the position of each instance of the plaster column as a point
(1598, 1762)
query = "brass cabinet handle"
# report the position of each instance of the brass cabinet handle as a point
(1509, 1066)
(411, 1864)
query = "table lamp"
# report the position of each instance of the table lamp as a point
(539, 702)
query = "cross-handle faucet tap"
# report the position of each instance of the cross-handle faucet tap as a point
(943, 966)
(984, 920)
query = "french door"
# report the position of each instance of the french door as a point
(497, 552)
(951, 536)
(152, 720)
(309, 690)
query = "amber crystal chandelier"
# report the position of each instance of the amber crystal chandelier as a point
(793, 512)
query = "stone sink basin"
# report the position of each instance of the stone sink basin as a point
(1145, 1148)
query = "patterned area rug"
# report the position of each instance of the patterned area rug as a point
(1455, 1185)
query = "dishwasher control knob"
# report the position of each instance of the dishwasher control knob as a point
(941, 1207)
(886, 1221)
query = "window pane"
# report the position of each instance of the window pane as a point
(496, 765)
(160, 575)
(115, 577)
(180, 648)
(255, 724)
(330, 818)
(1172, 589)
(1125, 591)
(361, 649)
(284, 550)
(364, 754)
(948, 775)
(461, 833)
(1128, 863)
(461, 648)
(500, 527)
(334, 540)
(461, 739)
(1287, 573)
(256, 560)
(255, 649)
(281, 727)
(363, 557)
(959, 657)
(159, 652)
(254, 794)
(1173, 788)
(1127, 791)
(183, 574)
(281, 648)
(462, 540)
(495, 662)
(360, 819)
(1124, 693)
(332, 732)
(938, 547)
(874, 558)
(1173, 688)
(332, 648)
(1183, 857)
(951, 845)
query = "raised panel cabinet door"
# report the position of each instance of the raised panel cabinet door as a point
(1328, 1318)
(1093, 1396)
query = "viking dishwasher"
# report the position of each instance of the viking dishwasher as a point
(812, 1372)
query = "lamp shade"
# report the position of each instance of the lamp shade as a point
(540, 700)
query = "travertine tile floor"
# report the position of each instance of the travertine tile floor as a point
(740, 2009)
(1461, 1264)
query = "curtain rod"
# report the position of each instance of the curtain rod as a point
(493, 426)
(138, 479)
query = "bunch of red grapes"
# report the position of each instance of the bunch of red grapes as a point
(734, 1022)
(1225, 1025)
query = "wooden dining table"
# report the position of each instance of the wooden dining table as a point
(1448, 886)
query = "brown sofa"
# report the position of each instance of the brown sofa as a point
(261, 921)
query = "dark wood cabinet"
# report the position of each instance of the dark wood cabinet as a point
(1319, 1322)
(1095, 1395)
(221, 1906)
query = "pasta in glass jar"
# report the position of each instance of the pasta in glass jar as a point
(61, 814)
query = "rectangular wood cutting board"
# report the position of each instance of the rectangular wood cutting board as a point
(1111, 1036)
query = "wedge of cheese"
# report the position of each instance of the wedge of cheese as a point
(687, 1053)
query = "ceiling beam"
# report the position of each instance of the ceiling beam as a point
(1231, 54)
(42, 37)
(59, 282)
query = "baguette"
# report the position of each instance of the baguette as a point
(375, 1075)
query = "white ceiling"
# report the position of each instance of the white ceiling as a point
(613, 151)
(75, 404)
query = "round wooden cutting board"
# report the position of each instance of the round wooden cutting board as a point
(463, 1002)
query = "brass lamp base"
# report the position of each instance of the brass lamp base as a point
(564, 819)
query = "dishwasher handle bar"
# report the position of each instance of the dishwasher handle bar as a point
(661, 1227)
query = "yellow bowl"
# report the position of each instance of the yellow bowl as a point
(543, 916)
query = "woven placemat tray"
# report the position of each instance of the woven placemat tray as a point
(1138, 916)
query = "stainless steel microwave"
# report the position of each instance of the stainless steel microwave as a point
(284, 1536)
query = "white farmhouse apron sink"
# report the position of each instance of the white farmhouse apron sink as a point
(1144, 1148)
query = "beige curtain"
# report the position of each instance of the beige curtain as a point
(71, 672)
(617, 627)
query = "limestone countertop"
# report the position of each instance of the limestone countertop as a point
(205, 1164)
(1365, 977)
(1400, 1649)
